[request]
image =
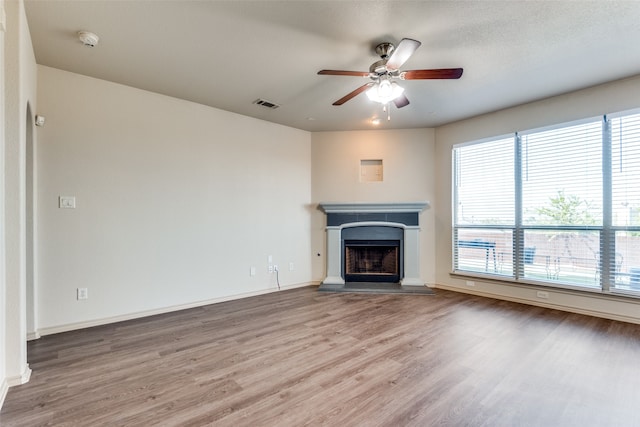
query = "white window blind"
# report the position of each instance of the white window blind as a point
(569, 218)
(562, 176)
(485, 183)
(624, 261)
(625, 170)
(561, 172)
(484, 216)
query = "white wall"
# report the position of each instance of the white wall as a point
(408, 176)
(612, 97)
(19, 86)
(175, 202)
(3, 289)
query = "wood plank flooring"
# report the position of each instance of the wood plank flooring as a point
(300, 357)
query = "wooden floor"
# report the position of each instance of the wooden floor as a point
(300, 357)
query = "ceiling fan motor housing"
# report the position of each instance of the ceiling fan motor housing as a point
(378, 68)
(385, 49)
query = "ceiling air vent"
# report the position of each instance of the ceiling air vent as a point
(266, 104)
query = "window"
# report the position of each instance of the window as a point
(561, 176)
(559, 205)
(624, 247)
(484, 207)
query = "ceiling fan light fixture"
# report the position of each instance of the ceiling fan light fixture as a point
(385, 92)
(384, 89)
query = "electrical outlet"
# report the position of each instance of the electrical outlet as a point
(82, 293)
(290, 266)
(252, 271)
(67, 202)
(542, 294)
(270, 269)
(275, 268)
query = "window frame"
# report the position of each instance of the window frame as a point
(605, 261)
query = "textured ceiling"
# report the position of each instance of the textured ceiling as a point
(227, 54)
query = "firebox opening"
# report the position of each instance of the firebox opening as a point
(372, 261)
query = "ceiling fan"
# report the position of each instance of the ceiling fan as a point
(383, 88)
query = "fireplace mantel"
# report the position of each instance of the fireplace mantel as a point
(373, 207)
(403, 215)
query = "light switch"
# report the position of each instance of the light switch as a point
(67, 202)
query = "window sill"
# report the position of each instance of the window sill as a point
(616, 295)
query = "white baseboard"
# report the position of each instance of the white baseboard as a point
(4, 388)
(23, 378)
(105, 321)
(562, 307)
(13, 381)
(33, 335)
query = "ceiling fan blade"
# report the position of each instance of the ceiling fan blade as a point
(401, 101)
(344, 73)
(442, 73)
(353, 93)
(400, 54)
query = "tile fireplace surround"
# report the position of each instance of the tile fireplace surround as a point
(405, 216)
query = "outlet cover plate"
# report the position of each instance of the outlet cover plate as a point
(67, 202)
(83, 293)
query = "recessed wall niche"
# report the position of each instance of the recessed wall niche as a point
(371, 170)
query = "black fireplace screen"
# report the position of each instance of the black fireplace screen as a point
(372, 261)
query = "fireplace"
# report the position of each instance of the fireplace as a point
(373, 242)
(372, 253)
(372, 261)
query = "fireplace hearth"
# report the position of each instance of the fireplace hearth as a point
(373, 242)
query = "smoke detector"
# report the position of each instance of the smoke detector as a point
(88, 38)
